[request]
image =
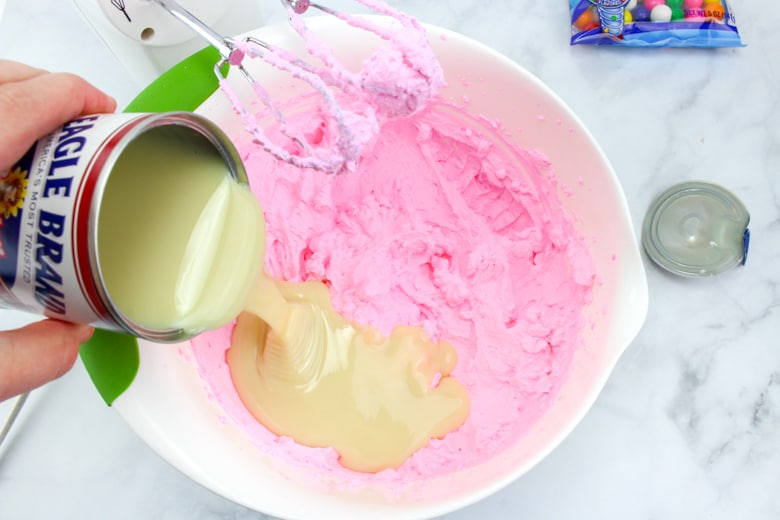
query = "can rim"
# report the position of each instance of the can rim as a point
(221, 143)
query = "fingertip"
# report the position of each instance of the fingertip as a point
(71, 337)
(84, 333)
(96, 101)
(86, 98)
(78, 332)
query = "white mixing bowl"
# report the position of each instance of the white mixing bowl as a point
(168, 406)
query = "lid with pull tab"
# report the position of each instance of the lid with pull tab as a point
(696, 229)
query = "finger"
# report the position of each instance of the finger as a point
(34, 107)
(38, 353)
(15, 71)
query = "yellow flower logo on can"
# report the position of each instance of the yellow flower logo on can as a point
(13, 189)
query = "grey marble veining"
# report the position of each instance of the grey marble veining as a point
(688, 425)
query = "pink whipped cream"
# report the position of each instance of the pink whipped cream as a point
(440, 222)
(447, 225)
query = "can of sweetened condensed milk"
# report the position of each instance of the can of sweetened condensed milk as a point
(117, 221)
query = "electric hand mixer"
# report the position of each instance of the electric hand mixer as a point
(416, 77)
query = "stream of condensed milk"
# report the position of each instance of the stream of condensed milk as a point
(181, 244)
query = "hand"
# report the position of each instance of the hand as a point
(38, 353)
(34, 103)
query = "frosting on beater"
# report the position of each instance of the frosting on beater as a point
(395, 80)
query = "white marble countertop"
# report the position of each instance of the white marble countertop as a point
(688, 425)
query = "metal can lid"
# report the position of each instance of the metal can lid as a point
(696, 228)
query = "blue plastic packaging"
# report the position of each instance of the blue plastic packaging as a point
(654, 23)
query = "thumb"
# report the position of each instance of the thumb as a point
(38, 353)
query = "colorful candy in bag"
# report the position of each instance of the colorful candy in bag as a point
(654, 23)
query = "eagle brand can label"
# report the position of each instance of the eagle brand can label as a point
(45, 201)
(49, 202)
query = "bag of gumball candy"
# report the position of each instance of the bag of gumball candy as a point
(654, 23)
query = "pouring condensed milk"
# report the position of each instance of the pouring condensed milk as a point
(179, 241)
(301, 369)
(117, 221)
(144, 223)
